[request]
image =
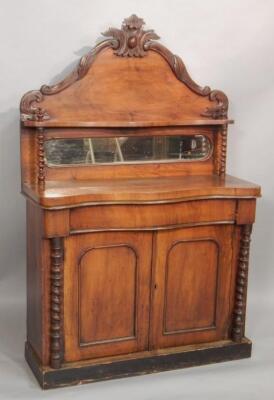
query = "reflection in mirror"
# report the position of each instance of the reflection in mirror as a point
(124, 150)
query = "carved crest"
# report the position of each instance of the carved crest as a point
(130, 40)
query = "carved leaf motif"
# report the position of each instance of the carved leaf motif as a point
(133, 22)
(129, 41)
(116, 34)
(131, 38)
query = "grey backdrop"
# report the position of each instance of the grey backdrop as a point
(227, 44)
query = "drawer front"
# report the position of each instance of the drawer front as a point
(151, 216)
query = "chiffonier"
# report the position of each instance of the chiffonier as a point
(137, 240)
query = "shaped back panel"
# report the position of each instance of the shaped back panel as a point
(127, 80)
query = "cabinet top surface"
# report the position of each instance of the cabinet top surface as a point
(129, 79)
(60, 194)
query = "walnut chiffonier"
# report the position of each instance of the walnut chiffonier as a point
(137, 240)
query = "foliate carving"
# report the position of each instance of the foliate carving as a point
(56, 303)
(131, 39)
(178, 67)
(41, 155)
(241, 285)
(218, 111)
(30, 109)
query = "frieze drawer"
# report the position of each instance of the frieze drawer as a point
(152, 216)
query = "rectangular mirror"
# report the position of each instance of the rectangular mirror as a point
(124, 150)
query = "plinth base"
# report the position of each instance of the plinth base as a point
(136, 363)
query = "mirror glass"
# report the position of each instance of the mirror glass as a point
(125, 150)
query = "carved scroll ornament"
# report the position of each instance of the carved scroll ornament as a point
(30, 108)
(131, 38)
(219, 110)
(129, 41)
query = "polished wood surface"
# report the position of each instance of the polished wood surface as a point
(107, 280)
(191, 281)
(102, 305)
(73, 193)
(38, 276)
(34, 279)
(132, 268)
(151, 216)
(65, 133)
(136, 71)
(127, 124)
(189, 261)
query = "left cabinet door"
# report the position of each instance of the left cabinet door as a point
(106, 294)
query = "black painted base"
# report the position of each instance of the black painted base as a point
(136, 364)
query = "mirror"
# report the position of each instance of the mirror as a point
(125, 150)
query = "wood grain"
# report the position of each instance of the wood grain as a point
(246, 211)
(107, 314)
(191, 286)
(150, 76)
(56, 223)
(151, 216)
(73, 193)
(185, 309)
(147, 66)
(38, 288)
(132, 268)
(103, 271)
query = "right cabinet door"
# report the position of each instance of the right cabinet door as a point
(192, 284)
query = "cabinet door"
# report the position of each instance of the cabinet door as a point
(191, 287)
(106, 294)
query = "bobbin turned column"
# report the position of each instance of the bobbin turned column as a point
(221, 150)
(241, 285)
(137, 240)
(56, 303)
(40, 157)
